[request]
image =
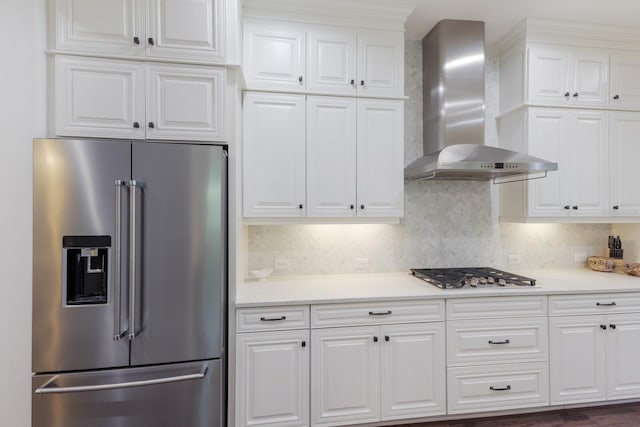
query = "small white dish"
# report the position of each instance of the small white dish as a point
(261, 275)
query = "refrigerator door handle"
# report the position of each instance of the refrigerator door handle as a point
(117, 287)
(48, 386)
(133, 184)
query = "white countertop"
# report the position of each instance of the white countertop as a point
(289, 290)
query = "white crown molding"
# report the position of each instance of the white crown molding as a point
(570, 33)
(374, 14)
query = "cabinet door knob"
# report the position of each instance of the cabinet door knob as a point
(375, 339)
(352, 207)
(616, 97)
(150, 41)
(612, 326)
(603, 327)
(353, 82)
(300, 206)
(136, 40)
(574, 207)
(304, 343)
(151, 125)
(386, 338)
(567, 207)
(361, 206)
(361, 82)
(567, 94)
(616, 207)
(136, 125)
(300, 79)
(575, 95)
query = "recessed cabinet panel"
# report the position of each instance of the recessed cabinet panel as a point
(185, 103)
(625, 84)
(590, 79)
(99, 98)
(331, 61)
(548, 71)
(623, 353)
(100, 26)
(380, 158)
(274, 155)
(625, 173)
(331, 157)
(274, 56)
(380, 63)
(186, 29)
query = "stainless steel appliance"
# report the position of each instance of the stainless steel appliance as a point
(129, 284)
(453, 60)
(472, 278)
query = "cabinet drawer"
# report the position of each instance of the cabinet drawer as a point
(496, 307)
(496, 341)
(272, 318)
(327, 315)
(497, 387)
(567, 305)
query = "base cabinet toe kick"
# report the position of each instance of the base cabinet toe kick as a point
(420, 360)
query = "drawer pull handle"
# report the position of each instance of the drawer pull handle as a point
(379, 313)
(602, 304)
(499, 342)
(507, 388)
(272, 319)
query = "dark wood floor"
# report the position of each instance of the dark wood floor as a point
(627, 415)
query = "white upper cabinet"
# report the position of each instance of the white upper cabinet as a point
(565, 76)
(322, 59)
(274, 55)
(625, 173)
(625, 84)
(274, 155)
(106, 98)
(178, 29)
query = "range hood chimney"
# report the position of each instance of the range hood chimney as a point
(453, 61)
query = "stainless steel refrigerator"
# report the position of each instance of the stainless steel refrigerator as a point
(129, 284)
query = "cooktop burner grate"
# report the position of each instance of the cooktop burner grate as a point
(473, 277)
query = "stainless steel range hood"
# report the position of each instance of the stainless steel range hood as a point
(453, 115)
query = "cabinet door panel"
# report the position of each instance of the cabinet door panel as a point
(547, 135)
(380, 63)
(185, 103)
(548, 76)
(380, 158)
(625, 84)
(623, 353)
(273, 379)
(99, 98)
(413, 371)
(331, 61)
(100, 26)
(590, 79)
(274, 155)
(577, 359)
(274, 56)
(331, 157)
(345, 373)
(588, 153)
(625, 173)
(187, 29)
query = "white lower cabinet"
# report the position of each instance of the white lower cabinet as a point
(272, 379)
(594, 358)
(373, 373)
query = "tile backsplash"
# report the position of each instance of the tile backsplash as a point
(446, 223)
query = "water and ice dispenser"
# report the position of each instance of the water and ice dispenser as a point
(85, 267)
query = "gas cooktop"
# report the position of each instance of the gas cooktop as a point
(472, 278)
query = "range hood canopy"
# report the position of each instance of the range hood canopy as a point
(453, 115)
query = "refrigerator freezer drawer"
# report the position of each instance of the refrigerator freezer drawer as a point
(186, 394)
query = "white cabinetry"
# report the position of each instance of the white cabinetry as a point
(578, 140)
(495, 359)
(625, 173)
(593, 356)
(561, 75)
(272, 369)
(274, 155)
(382, 371)
(106, 98)
(625, 85)
(323, 59)
(177, 29)
(348, 164)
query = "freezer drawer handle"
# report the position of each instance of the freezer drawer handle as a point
(47, 388)
(272, 319)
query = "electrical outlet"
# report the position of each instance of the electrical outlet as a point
(514, 259)
(580, 257)
(283, 264)
(362, 263)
